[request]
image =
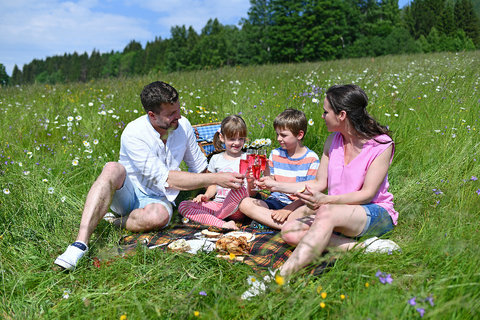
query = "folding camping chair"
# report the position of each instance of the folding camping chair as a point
(204, 133)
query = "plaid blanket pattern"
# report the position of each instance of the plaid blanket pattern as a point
(267, 250)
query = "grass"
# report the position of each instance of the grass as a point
(48, 162)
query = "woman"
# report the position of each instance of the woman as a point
(353, 169)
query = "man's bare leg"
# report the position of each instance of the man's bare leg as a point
(96, 206)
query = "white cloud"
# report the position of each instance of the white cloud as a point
(37, 29)
(32, 29)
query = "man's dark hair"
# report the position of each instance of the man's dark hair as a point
(157, 93)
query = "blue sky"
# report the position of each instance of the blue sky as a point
(36, 29)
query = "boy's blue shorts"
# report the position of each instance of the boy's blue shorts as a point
(274, 203)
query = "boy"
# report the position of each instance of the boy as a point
(292, 162)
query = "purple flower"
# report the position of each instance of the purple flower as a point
(384, 277)
(202, 293)
(473, 178)
(430, 300)
(478, 192)
(421, 311)
(412, 301)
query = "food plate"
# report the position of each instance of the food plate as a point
(200, 236)
(203, 245)
(241, 233)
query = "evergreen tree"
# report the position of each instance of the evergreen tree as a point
(4, 78)
(17, 76)
(467, 20)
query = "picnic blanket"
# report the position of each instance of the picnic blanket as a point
(267, 249)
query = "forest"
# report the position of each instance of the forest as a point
(277, 31)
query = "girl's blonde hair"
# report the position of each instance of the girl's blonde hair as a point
(231, 127)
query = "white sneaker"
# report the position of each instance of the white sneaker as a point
(380, 245)
(69, 259)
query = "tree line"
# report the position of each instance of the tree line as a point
(278, 31)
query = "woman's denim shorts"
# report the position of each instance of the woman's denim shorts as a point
(378, 223)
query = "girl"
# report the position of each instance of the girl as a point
(353, 169)
(233, 133)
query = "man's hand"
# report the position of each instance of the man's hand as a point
(280, 215)
(230, 180)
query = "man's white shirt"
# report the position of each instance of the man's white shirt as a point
(148, 160)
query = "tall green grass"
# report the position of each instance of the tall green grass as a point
(48, 162)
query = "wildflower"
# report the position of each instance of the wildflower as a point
(322, 305)
(473, 178)
(123, 316)
(279, 280)
(90, 104)
(66, 294)
(383, 277)
(63, 199)
(196, 313)
(231, 256)
(367, 284)
(342, 296)
(412, 301)
(75, 162)
(51, 190)
(251, 280)
(44, 180)
(323, 295)
(315, 100)
(421, 311)
(86, 143)
(78, 118)
(478, 192)
(388, 114)
(319, 289)
(70, 118)
(6, 191)
(310, 122)
(95, 141)
(202, 293)
(430, 300)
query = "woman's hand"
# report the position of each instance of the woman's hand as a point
(313, 200)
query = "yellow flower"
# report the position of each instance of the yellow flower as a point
(324, 295)
(123, 317)
(279, 280)
(231, 256)
(319, 289)
(196, 313)
(367, 284)
(322, 305)
(342, 296)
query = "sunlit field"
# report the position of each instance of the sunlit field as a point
(56, 139)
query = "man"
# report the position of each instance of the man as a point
(142, 185)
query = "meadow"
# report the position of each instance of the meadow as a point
(56, 139)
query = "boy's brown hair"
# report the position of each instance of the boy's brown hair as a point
(293, 120)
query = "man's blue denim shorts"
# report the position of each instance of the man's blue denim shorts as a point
(378, 223)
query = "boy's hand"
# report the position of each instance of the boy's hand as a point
(266, 182)
(280, 215)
